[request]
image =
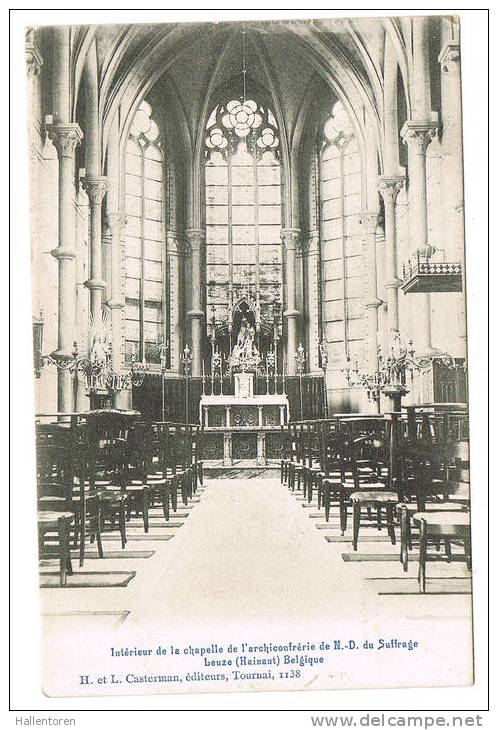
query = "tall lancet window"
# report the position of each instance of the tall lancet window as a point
(342, 263)
(145, 236)
(243, 208)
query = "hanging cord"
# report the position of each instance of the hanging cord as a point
(244, 64)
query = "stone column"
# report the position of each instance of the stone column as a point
(195, 239)
(389, 187)
(115, 223)
(310, 247)
(451, 102)
(417, 136)
(66, 137)
(291, 241)
(176, 252)
(368, 221)
(96, 188)
(382, 328)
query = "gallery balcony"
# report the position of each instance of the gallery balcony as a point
(422, 275)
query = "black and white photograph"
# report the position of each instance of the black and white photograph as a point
(250, 361)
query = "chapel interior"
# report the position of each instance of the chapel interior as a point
(249, 310)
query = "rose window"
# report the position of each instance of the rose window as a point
(242, 117)
(241, 120)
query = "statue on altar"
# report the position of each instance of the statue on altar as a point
(245, 355)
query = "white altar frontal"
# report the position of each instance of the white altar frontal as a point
(243, 426)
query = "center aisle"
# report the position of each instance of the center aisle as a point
(250, 552)
(249, 567)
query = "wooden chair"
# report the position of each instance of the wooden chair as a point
(406, 512)
(296, 465)
(366, 480)
(106, 466)
(332, 474)
(312, 457)
(449, 527)
(144, 478)
(58, 523)
(61, 488)
(286, 459)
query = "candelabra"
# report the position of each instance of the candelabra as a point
(300, 358)
(163, 349)
(271, 368)
(186, 357)
(390, 377)
(324, 361)
(93, 361)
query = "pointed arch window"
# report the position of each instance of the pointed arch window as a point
(243, 207)
(340, 203)
(145, 236)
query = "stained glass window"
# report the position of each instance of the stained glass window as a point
(340, 203)
(242, 203)
(144, 281)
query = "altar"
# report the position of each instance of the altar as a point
(243, 426)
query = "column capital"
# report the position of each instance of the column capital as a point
(66, 137)
(311, 243)
(176, 244)
(419, 133)
(450, 53)
(291, 238)
(95, 187)
(115, 222)
(195, 237)
(368, 219)
(34, 60)
(389, 187)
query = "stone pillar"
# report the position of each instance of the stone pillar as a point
(176, 252)
(310, 247)
(417, 136)
(451, 102)
(389, 187)
(368, 221)
(66, 137)
(382, 328)
(291, 241)
(195, 239)
(96, 188)
(115, 223)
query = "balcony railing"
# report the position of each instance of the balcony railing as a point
(423, 275)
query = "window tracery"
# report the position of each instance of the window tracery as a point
(145, 248)
(242, 207)
(340, 202)
(242, 119)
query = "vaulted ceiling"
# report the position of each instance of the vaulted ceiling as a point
(293, 61)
